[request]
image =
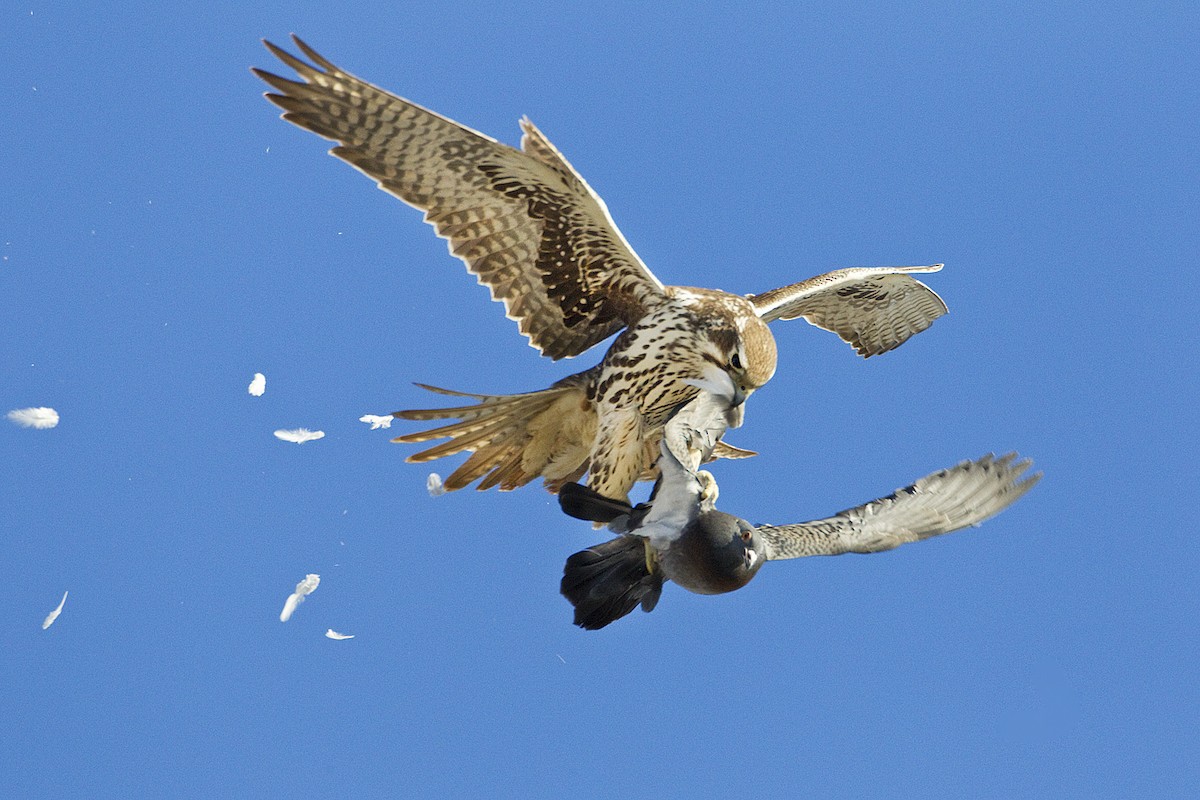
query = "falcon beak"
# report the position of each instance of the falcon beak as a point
(735, 415)
(720, 383)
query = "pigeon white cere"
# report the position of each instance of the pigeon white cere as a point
(433, 484)
(53, 615)
(41, 418)
(258, 385)
(332, 634)
(377, 421)
(303, 589)
(299, 435)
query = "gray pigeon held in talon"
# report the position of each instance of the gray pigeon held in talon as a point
(680, 536)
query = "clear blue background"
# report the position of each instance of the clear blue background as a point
(164, 236)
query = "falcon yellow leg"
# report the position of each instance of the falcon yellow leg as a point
(651, 557)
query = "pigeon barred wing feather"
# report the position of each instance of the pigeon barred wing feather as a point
(524, 223)
(875, 309)
(945, 501)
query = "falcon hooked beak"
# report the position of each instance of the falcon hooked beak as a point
(720, 384)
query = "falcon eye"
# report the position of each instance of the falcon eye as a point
(736, 361)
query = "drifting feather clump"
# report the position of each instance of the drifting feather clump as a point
(41, 418)
(258, 385)
(53, 615)
(303, 589)
(377, 421)
(299, 435)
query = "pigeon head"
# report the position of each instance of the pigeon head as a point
(715, 553)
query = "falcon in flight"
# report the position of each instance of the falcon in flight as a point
(680, 536)
(530, 228)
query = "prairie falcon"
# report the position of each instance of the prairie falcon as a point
(532, 230)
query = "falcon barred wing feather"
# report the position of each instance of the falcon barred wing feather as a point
(875, 309)
(525, 223)
(724, 449)
(946, 501)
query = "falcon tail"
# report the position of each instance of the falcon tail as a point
(607, 581)
(512, 438)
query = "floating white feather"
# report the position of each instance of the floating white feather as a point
(303, 589)
(299, 435)
(377, 421)
(433, 485)
(53, 615)
(41, 417)
(258, 385)
(332, 634)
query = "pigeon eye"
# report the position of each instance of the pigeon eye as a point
(736, 361)
(746, 535)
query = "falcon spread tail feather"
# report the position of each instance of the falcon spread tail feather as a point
(512, 438)
(515, 438)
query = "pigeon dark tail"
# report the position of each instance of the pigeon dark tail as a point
(607, 581)
(581, 502)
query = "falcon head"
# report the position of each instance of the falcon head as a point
(756, 355)
(745, 354)
(715, 553)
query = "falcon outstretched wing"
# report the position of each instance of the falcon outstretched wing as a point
(525, 223)
(943, 502)
(875, 309)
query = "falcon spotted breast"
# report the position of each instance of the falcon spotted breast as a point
(532, 230)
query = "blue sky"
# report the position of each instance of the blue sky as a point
(165, 236)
